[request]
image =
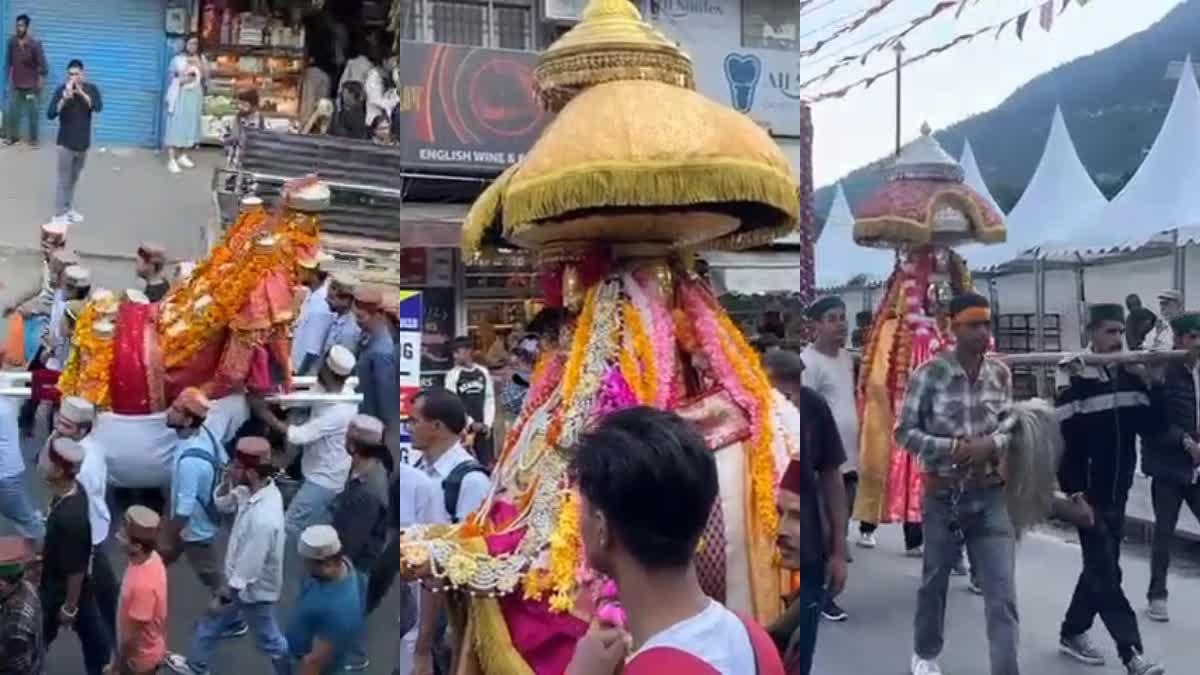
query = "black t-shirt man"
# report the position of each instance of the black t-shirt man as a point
(820, 450)
(68, 546)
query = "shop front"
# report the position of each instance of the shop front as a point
(124, 48)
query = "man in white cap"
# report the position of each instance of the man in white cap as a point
(322, 443)
(344, 329)
(329, 613)
(67, 586)
(77, 282)
(253, 563)
(315, 318)
(360, 512)
(1161, 337)
(74, 421)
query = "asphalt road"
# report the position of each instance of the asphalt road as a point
(881, 593)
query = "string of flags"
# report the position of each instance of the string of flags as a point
(1047, 12)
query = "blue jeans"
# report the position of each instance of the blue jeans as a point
(810, 597)
(260, 616)
(310, 506)
(15, 505)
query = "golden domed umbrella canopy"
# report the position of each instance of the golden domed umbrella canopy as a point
(635, 155)
(611, 42)
(925, 201)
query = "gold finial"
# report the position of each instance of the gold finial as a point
(611, 42)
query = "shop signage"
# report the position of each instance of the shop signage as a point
(762, 83)
(408, 355)
(466, 110)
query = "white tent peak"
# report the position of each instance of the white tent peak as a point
(973, 177)
(1162, 193)
(838, 258)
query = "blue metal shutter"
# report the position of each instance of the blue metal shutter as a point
(122, 46)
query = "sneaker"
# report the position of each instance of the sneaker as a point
(867, 540)
(74, 217)
(922, 666)
(61, 219)
(173, 167)
(357, 666)
(832, 612)
(1081, 649)
(974, 587)
(1138, 665)
(186, 162)
(178, 663)
(234, 632)
(959, 569)
(1158, 611)
(915, 552)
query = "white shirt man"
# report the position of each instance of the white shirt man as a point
(418, 502)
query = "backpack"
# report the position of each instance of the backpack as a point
(452, 485)
(209, 504)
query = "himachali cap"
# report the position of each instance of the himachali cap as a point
(193, 401)
(141, 523)
(319, 542)
(77, 410)
(822, 305)
(1106, 312)
(1186, 323)
(78, 275)
(14, 555)
(368, 297)
(64, 257)
(340, 360)
(365, 429)
(54, 231)
(152, 252)
(793, 477)
(254, 448)
(343, 284)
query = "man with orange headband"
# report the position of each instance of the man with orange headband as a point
(951, 419)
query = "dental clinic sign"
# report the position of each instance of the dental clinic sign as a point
(762, 83)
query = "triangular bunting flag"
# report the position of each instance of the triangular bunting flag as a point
(962, 5)
(1066, 4)
(1046, 18)
(1000, 30)
(1082, 2)
(1021, 20)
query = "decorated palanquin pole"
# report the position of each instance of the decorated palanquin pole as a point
(636, 173)
(225, 330)
(923, 209)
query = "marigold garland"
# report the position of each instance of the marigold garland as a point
(574, 368)
(89, 366)
(639, 364)
(565, 547)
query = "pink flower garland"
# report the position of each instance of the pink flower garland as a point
(661, 331)
(615, 394)
(708, 333)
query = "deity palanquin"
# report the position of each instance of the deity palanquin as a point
(922, 210)
(635, 173)
(225, 329)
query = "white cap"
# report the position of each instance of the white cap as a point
(319, 542)
(77, 410)
(78, 275)
(365, 429)
(340, 360)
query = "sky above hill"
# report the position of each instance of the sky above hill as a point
(947, 87)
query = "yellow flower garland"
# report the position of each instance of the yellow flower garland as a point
(574, 368)
(638, 365)
(89, 367)
(565, 547)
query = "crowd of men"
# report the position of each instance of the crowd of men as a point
(951, 419)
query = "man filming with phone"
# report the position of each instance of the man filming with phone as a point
(73, 104)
